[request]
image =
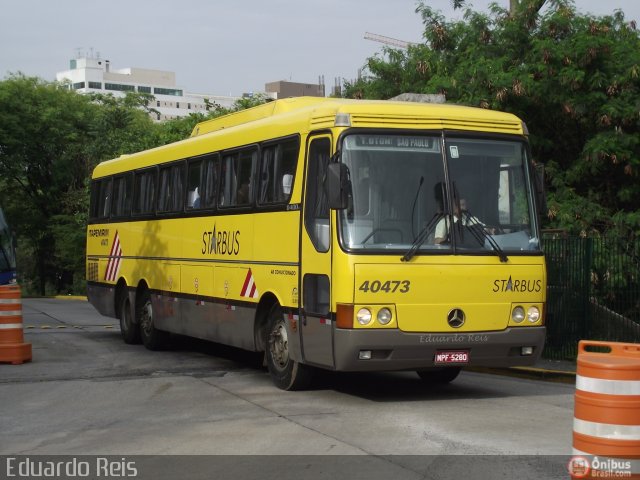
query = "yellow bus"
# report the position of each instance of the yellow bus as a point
(336, 234)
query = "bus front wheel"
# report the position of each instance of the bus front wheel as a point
(152, 338)
(439, 376)
(286, 373)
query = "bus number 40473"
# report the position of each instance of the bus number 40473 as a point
(388, 286)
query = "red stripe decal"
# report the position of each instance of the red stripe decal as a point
(247, 280)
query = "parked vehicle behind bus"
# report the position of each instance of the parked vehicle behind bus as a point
(306, 228)
(7, 253)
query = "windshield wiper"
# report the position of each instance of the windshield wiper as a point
(480, 235)
(421, 238)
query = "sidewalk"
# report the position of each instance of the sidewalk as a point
(544, 369)
(550, 370)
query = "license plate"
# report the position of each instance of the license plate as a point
(451, 356)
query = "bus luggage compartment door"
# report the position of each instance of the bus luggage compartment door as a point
(316, 322)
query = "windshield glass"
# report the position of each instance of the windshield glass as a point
(400, 199)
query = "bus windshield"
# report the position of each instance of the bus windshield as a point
(435, 194)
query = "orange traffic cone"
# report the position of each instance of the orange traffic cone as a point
(12, 347)
(606, 424)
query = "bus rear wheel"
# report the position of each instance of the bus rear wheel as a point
(439, 376)
(128, 328)
(286, 373)
(152, 338)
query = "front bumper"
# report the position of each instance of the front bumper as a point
(397, 350)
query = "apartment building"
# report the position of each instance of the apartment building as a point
(91, 74)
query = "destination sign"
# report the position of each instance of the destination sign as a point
(399, 142)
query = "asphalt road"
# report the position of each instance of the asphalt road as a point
(88, 393)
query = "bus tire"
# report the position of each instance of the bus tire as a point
(129, 329)
(439, 376)
(152, 338)
(286, 373)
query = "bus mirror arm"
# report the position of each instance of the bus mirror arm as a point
(338, 186)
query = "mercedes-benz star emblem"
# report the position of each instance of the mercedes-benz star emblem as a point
(456, 318)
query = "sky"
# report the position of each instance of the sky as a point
(222, 47)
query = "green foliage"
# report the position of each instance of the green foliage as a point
(181, 128)
(575, 80)
(178, 129)
(45, 134)
(248, 102)
(51, 138)
(121, 125)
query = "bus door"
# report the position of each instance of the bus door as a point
(315, 317)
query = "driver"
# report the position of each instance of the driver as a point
(460, 214)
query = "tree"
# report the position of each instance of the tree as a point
(45, 132)
(121, 125)
(513, 5)
(51, 138)
(574, 78)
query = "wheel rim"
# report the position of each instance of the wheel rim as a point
(146, 318)
(279, 346)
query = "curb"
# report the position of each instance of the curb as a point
(58, 297)
(558, 376)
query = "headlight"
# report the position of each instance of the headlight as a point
(364, 316)
(533, 314)
(517, 315)
(384, 316)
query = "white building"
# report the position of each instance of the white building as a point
(91, 74)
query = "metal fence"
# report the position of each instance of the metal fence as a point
(593, 292)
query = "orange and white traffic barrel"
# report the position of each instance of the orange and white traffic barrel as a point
(606, 424)
(13, 349)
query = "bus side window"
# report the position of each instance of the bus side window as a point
(194, 179)
(164, 192)
(276, 172)
(121, 196)
(104, 207)
(316, 210)
(238, 170)
(144, 192)
(177, 187)
(170, 196)
(94, 206)
(228, 181)
(245, 172)
(127, 194)
(209, 183)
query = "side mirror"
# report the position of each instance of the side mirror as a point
(337, 186)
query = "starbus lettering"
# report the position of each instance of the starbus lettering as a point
(518, 285)
(220, 242)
